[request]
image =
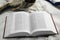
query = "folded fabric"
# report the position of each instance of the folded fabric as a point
(54, 2)
(3, 4)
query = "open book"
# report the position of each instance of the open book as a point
(29, 24)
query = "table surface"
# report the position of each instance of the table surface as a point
(53, 37)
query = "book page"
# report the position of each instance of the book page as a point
(37, 21)
(9, 25)
(17, 22)
(22, 22)
(42, 21)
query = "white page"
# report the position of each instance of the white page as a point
(22, 22)
(17, 22)
(42, 21)
(50, 22)
(9, 25)
(37, 21)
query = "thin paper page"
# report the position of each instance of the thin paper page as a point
(22, 23)
(37, 21)
(49, 22)
(9, 25)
